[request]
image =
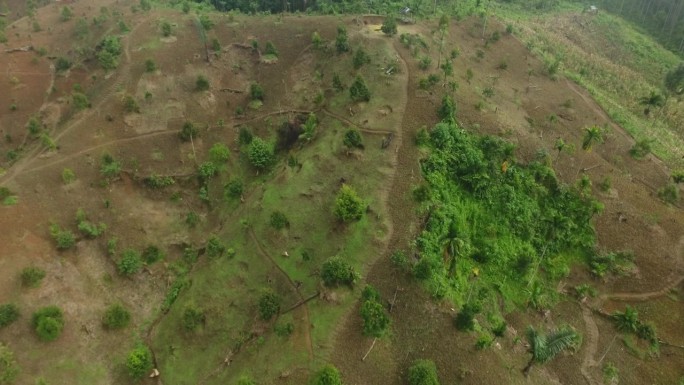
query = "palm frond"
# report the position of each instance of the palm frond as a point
(546, 347)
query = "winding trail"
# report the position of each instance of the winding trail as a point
(591, 339)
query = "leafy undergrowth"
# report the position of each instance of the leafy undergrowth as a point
(496, 227)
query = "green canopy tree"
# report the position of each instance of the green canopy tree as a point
(545, 347)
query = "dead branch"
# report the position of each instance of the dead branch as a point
(394, 299)
(25, 48)
(231, 90)
(369, 350)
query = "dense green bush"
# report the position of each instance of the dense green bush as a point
(202, 83)
(233, 189)
(423, 372)
(8, 365)
(279, 220)
(641, 148)
(335, 271)
(65, 239)
(327, 375)
(9, 313)
(389, 26)
(256, 92)
(465, 319)
(352, 139)
(130, 262)
(375, 320)
(116, 317)
(359, 91)
(348, 205)
(215, 248)
(109, 167)
(261, 154)
(32, 276)
(269, 305)
(219, 153)
(270, 49)
(48, 323)
(341, 40)
(139, 361)
(193, 318)
(152, 254)
(188, 132)
(360, 58)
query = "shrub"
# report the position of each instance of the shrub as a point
(65, 239)
(139, 361)
(158, 181)
(233, 189)
(269, 305)
(193, 318)
(360, 58)
(202, 83)
(116, 317)
(328, 375)
(48, 323)
(341, 40)
(375, 320)
(336, 271)
(279, 221)
(389, 26)
(424, 62)
(66, 14)
(465, 319)
(215, 45)
(166, 28)
(447, 111)
(256, 92)
(8, 366)
(130, 263)
(641, 148)
(130, 105)
(284, 330)
(348, 205)
(669, 193)
(188, 132)
(337, 83)
(206, 22)
(245, 136)
(150, 65)
(62, 64)
(261, 154)
(152, 254)
(270, 49)
(215, 248)
(68, 176)
(678, 176)
(192, 219)
(219, 153)
(316, 40)
(423, 372)
(9, 313)
(32, 276)
(359, 91)
(80, 101)
(206, 171)
(352, 139)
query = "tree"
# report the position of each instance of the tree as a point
(341, 41)
(327, 375)
(389, 26)
(447, 68)
(188, 132)
(592, 135)
(9, 313)
(309, 128)
(279, 220)
(219, 153)
(166, 28)
(352, 139)
(116, 317)
(653, 100)
(202, 83)
(66, 14)
(32, 276)
(423, 372)
(465, 319)
(627, 321)
(130, 105)
(150, 65)
(270, 49)
(261, 154)
(256, 92)
(375, 320)
(359, 91)
(48, 323)
(336, 271)
(360, 58)
(8, 366)
(192, 318)
(545, 347)
(316, 40)
(269, 305)
(65, 239)
(447, 111)
(348, 205)
(130, 263)
(139, 361)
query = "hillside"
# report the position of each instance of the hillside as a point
(209, 195)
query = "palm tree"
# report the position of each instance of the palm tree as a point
(545, 347)
(593, 135)
(452, 246)
(653, 100)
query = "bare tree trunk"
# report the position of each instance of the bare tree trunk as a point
(369, 350)
(527, 369)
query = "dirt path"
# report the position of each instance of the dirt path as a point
(303, 310)
(591, 340)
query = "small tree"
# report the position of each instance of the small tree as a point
(150, 65)
(360, 58)
(447, 111)
(270, 49)
(592, 135)
(9, 313)
(65, 239)
(8, 366)
(256, 92)
(130, 105)
(348, 205)
(389, 26)
(309, 128)
(192, 318)
(48, 323)
(352, 139)
(202, 83)
(375, 320)
(359, 91)
(316, 40)
(653, 100)
(337, 83)
(188, 132)
(219, 153)
(269, 305)
(328, 375)
(116, 317)
(261, 154)
(166, 28)
(279, 221)
(32, 276)
(465, 319)
(545, 347)
(66, 14)
(336, 271)
(341, 41)
(130, 263)
(68, 176)
(423, 372)
(139, 362)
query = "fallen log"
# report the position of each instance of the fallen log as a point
(26, 48)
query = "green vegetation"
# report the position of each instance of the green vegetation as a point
(349, 206)
(139, 362)
(48, 323)
(80, 101)
(108, 54)
(335, 271)
(130, 104)
(256, 92)
(66, 14)
(188, 132)
(9, 369)
(68, 176)
(389, 26)
(9, 313)
(261, 154)
(628, 321)
(109, 167)
(545, 347)
(352, 139)
(130, 263)
(269, 305)
(341, 40)
(360, 58)
(375, 319)
(423, 372)
(270, 49)
(359, 91)
(166, 28)
(116, 317)
(152, 254)
(87, 228)
(193, 318)
(279, 220)
(150, 65)
(32, 276)
(327, 375)
(65, 239)
(202, 83)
